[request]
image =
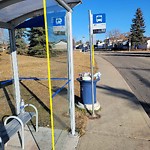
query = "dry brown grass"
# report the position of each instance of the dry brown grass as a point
(36, 91)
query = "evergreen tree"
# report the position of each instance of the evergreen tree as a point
(137, 29)
(37, 41)
(21, 45)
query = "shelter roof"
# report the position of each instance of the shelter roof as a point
(14, 12)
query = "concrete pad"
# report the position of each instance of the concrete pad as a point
(101, 141)
(71, 142)
(15, 144)
(41, 140)
(89, 106)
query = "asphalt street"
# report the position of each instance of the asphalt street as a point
(135, 68)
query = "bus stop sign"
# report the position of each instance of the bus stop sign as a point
(99, 23)
(59, 27)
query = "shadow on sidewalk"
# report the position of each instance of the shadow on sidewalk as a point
(124, 95)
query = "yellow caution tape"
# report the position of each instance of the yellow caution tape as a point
(93, 60)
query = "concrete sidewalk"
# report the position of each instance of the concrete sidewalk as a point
(123, 125)
(41, 140)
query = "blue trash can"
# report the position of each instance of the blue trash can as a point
(86, 90)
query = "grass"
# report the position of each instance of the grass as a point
(36, 91)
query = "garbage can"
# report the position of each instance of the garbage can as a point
(86, 90)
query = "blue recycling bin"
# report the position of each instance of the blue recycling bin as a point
(86, 90)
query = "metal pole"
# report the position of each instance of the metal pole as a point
(71, 72)
(91, 58)
(129, 44)
(64, 4)
(15, 69)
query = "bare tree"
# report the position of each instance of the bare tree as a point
(3, 39)
(116, 37)
(1, 35)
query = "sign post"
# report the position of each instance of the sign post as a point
(97, 25)
(91, 57)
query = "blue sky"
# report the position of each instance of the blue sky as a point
(119, 15)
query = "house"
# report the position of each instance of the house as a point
(148, 44)
(61, 45)
(83, 47)
(111, 43)
(101, 45)
(145, 46)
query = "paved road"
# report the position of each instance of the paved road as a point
(135, 68)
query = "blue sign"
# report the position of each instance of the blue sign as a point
(59, 21)
(99, 23)
(99, 18)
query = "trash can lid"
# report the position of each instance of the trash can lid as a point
(80, 80)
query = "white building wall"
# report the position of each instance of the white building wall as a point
(61, 46)
(148, 44)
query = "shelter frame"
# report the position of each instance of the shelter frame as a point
(10, 25)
